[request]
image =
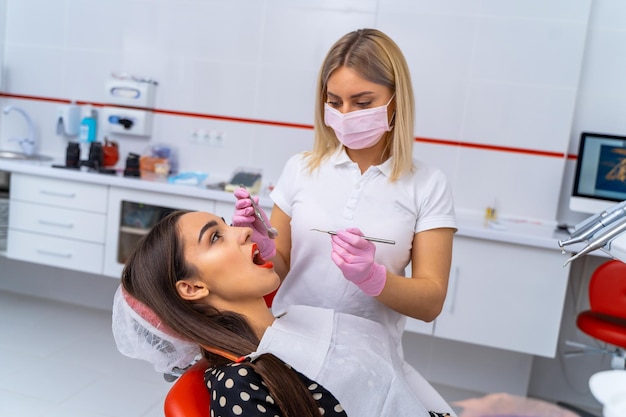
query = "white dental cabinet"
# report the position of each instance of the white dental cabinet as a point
(506, 293)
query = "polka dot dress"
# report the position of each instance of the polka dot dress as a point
(237, 390)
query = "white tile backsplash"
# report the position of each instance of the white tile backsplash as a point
(36, 23)
(277, 145)
(86, 72)
(540, 9)
(440, 107)
(445, 157)
(215, 30)
(445, 7)
(224, 88)
(609, 14)
(607, 62)
(33, 70)
(300, 37)
(100, 26)
(274, 103)
(521, 186)
(529, 51)
(511, 73)
(436, 47)
(368, 6)
(518, 115)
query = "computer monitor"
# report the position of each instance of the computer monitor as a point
(600, 178)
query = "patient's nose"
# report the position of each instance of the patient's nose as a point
(244, 234)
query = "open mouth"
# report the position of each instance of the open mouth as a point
(258, 260)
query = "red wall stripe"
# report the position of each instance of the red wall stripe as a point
(443, 142)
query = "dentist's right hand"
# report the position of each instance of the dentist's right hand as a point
(244, 217)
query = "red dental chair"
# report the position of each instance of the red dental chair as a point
(189, 396)
(606, 318)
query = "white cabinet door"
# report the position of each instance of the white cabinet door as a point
(504, 296)
(56, 221)
(59, 193)
(55, 251)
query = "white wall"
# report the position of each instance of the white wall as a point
(601, 97)
(494, 73)
(3, 7)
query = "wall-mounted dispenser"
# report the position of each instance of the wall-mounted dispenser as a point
(130, 101)
(127, 121)
(68, 119)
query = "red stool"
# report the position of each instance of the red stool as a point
(606, 318)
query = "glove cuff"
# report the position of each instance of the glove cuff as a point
(375, 283)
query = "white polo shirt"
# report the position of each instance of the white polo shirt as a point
(336, 197)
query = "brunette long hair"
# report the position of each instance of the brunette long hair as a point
(150, 275)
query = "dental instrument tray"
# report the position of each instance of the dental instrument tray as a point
(251, 179)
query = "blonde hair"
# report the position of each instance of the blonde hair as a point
(378, 59)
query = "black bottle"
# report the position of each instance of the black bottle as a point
(96, 156)
(132, 165)
(72, 155)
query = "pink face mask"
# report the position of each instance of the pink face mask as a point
(358, 129)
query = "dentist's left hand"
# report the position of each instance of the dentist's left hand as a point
(355, 258)
(244, 217)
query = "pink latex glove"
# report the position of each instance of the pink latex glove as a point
(244, 217)
(355, 258)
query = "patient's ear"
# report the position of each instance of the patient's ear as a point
(191, 289)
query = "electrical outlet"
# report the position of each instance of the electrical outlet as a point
(214, 138)
(194, 136)
(199, 136)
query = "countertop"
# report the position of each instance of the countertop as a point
(540, 234)
(45, 169)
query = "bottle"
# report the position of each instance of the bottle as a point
(72, 155)
(87, 131)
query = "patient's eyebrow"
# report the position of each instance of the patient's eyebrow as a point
(206, 227)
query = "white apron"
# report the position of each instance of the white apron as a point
(354, 358)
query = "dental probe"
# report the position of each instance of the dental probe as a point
(371, 239)
(271, 231)
(590, 229)
(602, 239)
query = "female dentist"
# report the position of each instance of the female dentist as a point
(361, 179)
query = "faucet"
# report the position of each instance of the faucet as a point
(28, 143)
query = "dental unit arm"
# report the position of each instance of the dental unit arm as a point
(605, 230)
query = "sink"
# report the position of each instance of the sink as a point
(19, 156)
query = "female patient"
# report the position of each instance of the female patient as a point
(204, 281)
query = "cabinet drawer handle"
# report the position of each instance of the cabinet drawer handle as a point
(51, 223)
(58, 193)
(57, 254)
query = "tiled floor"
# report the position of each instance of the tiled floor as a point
(60, 360)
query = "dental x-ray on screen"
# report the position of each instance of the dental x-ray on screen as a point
(600, 178)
